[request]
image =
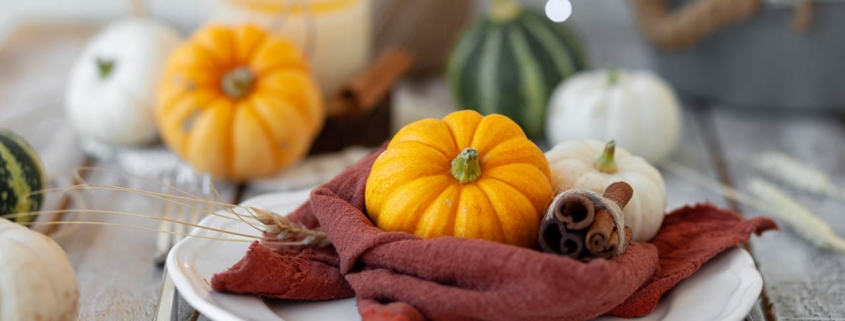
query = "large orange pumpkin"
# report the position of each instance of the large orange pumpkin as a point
(466, 175)
(238, 103)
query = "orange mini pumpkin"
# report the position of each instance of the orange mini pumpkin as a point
(238, 103)
(466, 175)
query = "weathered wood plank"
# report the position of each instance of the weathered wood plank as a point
(692, 152)
(695, 151)
(117, 278)
(114, 265)
(802, 282)
(34, 62)
(762, 308)
(309, 173)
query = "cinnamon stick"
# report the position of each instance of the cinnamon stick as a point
(602, 237)
(620, 193)
(575, 211)
(564, 228)
(556, 238)
(579, 226)
(364, 91)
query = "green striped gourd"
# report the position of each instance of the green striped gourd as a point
(510, 61)
(21, 173)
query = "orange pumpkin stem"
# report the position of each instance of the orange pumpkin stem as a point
(466, 168)
(605, 163)
(237, 82)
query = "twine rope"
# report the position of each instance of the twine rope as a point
(685, 27)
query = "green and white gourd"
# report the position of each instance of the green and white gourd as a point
(21, 174)
(510, 61)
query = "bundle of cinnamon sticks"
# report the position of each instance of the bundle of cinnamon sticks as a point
(360, 115)
(581, 225)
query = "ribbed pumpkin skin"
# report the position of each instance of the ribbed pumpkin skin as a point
(511, 67)
(410, 188)
(238, 138)
(21, 173)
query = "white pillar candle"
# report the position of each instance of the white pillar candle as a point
(341, 29)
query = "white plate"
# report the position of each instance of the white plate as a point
(723, 289)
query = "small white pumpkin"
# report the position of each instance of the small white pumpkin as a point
(38, 282)
(593, 166)
(637, 109)
(111, 92)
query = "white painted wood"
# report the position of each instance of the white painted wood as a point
(802, 282)
(114, 265)
(30, 99)
(308, 173)
(693, 153)
(117, 278)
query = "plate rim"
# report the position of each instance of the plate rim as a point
(186, 290)
(219, 313)
(183, 284)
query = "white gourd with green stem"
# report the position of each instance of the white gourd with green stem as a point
(593, 166)
(637, 109)
(112, 87)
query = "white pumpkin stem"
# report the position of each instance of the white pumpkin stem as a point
(504, 10)
(605, 163)
(613, 77)
(466, 168)
(105, 67)
(237, 82)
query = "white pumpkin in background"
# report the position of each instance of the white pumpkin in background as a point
(38, 282)
(593, 166)
(111, 91)
(637, 109)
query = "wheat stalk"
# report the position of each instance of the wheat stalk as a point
(802, 220)
(285, 230)
(287, 233)
(797, 175)
(768, 199)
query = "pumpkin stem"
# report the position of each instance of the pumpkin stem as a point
(105, 67)
(466, 167)
(605, 162)
(237, 82)
(504, 10)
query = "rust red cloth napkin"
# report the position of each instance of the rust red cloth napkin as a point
(398, 276)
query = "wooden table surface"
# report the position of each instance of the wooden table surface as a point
(119, 281)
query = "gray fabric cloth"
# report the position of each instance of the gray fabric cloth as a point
(764, 63)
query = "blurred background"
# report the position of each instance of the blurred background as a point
(601, 21)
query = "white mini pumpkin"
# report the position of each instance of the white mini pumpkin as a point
(111, 91)
(38, 282)
(637, 109)
(593, 166)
